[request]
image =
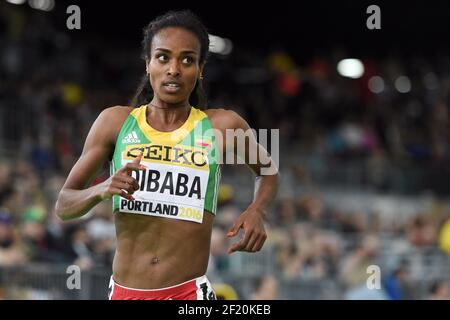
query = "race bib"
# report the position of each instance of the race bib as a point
(169, 191)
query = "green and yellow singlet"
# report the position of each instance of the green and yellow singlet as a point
(182, 175)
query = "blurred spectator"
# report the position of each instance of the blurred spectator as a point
(39, 244)
(421, 232)
(11, 202)
(398, 284)
(440, 290)
(83, 255)
(354, 266)
(218, 259)
(102, 234)
(266, 288)
(11, 253)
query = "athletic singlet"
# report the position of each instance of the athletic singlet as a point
(182, 175)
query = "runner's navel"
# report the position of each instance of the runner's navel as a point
(155, 260)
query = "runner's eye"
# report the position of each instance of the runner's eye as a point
(162, 57)
(188, 60)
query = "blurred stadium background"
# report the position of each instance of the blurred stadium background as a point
(364, 150)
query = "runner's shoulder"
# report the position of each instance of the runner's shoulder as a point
(109, 122)
(222, 118)
(114, 116)
(115, 112)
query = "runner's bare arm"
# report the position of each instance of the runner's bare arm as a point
(76, 198)
(256, 157)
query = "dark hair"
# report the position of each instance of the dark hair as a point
(183, 19)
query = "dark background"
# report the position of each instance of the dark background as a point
(305, 27)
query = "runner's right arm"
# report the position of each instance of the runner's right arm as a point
(76, 198)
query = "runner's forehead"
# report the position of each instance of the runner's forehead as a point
(176, 40)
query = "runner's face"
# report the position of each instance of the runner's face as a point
(174, 65)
